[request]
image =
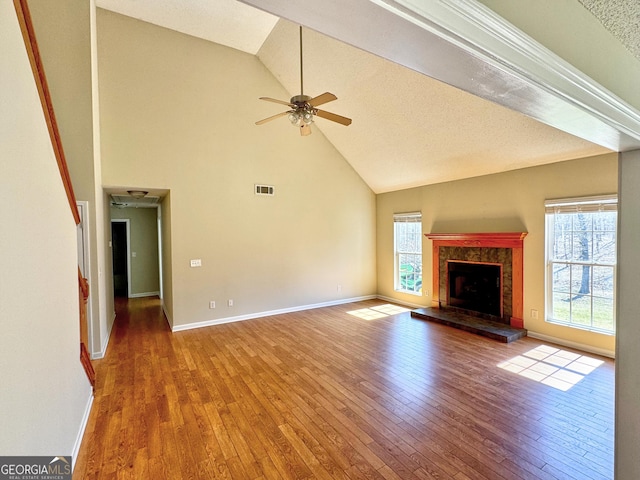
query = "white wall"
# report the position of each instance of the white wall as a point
(178, 113)
(45, 392)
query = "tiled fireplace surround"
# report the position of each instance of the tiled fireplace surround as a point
(505, 249)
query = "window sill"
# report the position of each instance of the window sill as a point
(410, 292)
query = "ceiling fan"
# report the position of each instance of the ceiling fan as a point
(303, 107)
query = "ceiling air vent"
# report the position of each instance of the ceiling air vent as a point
(264, 190)
(131, 201)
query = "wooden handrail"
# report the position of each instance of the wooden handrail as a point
(29, 36)
(85, 359)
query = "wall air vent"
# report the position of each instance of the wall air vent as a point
(264, 190)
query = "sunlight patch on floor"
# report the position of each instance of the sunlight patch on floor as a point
(551, 366)
(381, 311)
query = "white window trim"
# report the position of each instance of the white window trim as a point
(574, 205)
(583, 204)
(409, 217)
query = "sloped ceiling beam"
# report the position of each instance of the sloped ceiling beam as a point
(464, 44)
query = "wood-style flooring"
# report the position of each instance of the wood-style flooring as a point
(326, 394)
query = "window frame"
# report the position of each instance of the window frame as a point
(593, 204)
(403, 219)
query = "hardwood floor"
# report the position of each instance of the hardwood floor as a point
(326, 394)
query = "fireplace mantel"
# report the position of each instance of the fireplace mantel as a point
(497, 240)
(512, 240)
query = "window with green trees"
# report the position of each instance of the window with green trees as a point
(581, 262)
(408, 252)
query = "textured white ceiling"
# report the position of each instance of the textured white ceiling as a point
(227, 22)
(408, 129)
(621, 18)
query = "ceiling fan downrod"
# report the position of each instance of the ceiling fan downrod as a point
(303, 108)
(301, 81)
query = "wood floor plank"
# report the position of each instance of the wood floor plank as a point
(325, 451)
(326, 394)
(239, 441)
(307, 455)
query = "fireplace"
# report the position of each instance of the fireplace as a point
(475, 286)
(478, 292)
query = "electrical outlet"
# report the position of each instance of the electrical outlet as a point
(196, 262)
(534, 314)
(212, 304)
(339, 288)
(426, 293)
(230, 303)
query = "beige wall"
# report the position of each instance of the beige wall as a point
(67, 62)
(63, 30)
(45, 392)
(104, 324)
(505, 202)
(178, 113)
(167, 255)
(145, 274)
(627, 414)
(572, 32)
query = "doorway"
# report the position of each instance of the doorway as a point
(120, 241)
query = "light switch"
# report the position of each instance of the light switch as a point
(133, 254)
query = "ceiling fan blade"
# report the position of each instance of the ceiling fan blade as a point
(305, 130)
(322, 99)
(333, 117)
(273, 117)
(275, 100)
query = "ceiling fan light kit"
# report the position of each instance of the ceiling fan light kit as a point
(138, 193)
(303, 113)
(303, 107)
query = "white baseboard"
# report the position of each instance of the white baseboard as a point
(83, 427)
(570, 344)
(166, 314)
(144, 294)
(400, 302)
(105, 342)
(239, 318)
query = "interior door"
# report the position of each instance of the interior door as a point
(120, 260)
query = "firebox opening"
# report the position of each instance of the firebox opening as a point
(475, 286)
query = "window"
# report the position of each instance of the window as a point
(581, 262)
(408, 252)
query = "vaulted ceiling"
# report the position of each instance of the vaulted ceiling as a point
(407, 130)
